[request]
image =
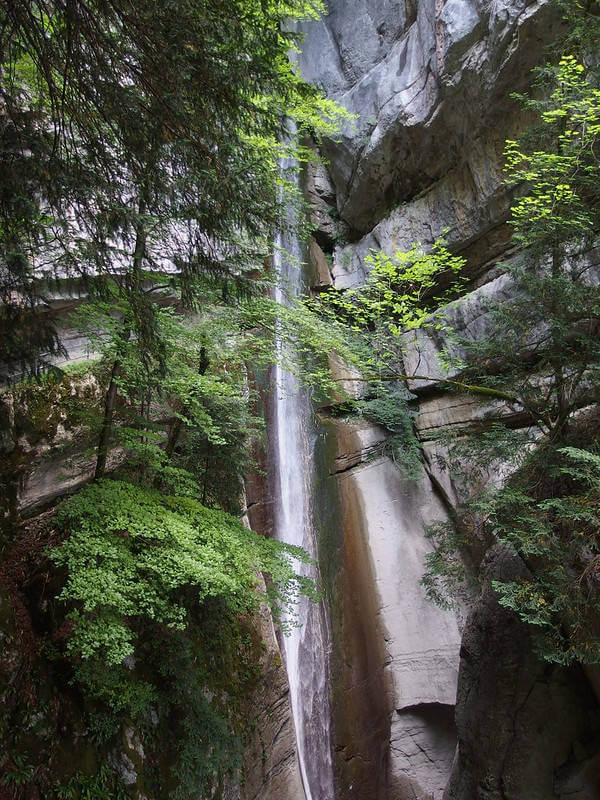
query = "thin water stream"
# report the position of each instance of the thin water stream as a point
(306, 647)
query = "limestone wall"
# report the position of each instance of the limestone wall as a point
(429, 82)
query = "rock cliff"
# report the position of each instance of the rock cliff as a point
(429, 83)
(45, 455)
(427, 704)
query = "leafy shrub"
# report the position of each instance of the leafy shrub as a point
(131, 554)
(559, 538)
(391, 411)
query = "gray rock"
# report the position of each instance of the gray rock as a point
(271, 770)
(422, 746)
(395, 683)
(320, 194)
(520, 721)
(421, 640)
(124, 768)
(461, 26)
(425, 79)
(351, 40)
(432, 350)
(357, 442)
(468, 203)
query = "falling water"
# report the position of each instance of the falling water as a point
(306, 647)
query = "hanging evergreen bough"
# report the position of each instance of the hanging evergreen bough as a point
(138, 140)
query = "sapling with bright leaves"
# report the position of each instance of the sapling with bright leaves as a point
(542, 346)
(401, 294)
(370, 318)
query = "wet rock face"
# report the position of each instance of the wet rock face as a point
(271, 764)
(395, 654)
(429, 82)
(425, 80)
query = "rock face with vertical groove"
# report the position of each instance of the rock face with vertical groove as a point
(429, 83)
(399, 653)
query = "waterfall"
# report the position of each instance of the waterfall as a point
(306, 647)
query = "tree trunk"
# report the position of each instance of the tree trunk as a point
(111, 393)
(563, 409)
(109, 408)
(174, 432)
(177, 426)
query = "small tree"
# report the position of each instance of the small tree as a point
(542, 347)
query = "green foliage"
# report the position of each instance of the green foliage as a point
(541, 347)
(472, 456)
(207, 677)
(184, 416)
(202, 730)
(158, 592)
(366, 326)
(548, 512)
(582, 29)
(19, 772)
(188, 406)
(132, 553)
(399, 294)
(449, 577)
(104, 785)
(135, 139)
(391, 411)
(102, 726)
(471, 459)
(27, 337)
(558, 538)
(560, 205)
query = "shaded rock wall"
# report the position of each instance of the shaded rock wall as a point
(395, 655)
(527, 729)
(426, 80)
(429, 83)
(361, 689)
